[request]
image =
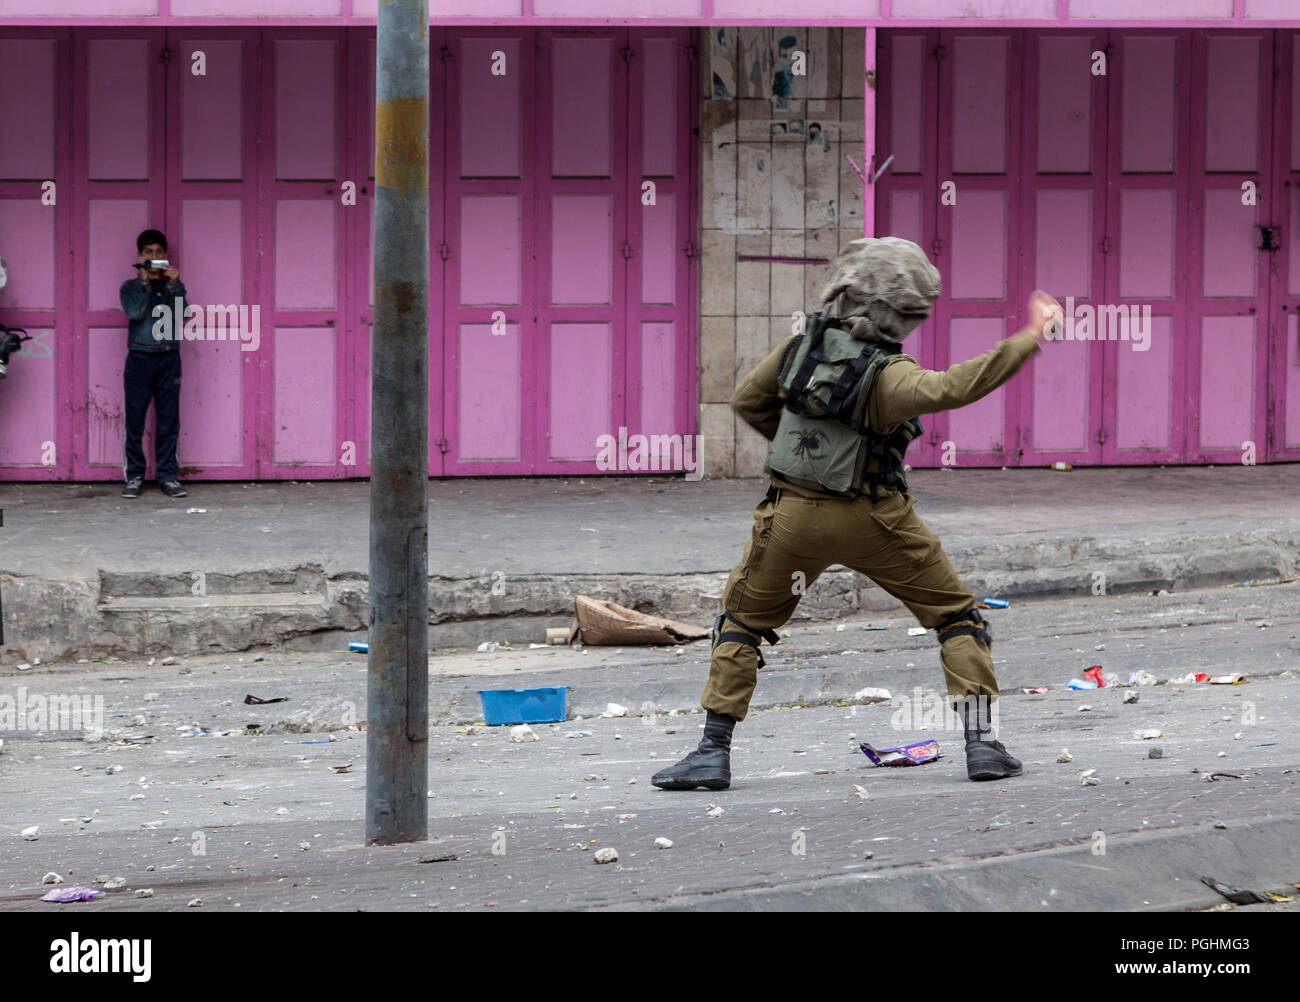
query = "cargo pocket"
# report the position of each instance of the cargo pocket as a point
(764, 515)
(907, 535)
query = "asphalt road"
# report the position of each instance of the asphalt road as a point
(263, 821)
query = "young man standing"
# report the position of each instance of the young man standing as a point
(838, 493)
(153, 365)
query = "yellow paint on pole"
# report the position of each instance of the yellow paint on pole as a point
(402, 145)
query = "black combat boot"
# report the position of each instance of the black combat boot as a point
(709, 765)
(985, 758)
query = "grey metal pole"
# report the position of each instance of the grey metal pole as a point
(397, 720)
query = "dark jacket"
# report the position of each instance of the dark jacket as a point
(139, 297)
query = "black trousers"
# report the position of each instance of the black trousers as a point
(156, 376)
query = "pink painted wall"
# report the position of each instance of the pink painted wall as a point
(882, 13)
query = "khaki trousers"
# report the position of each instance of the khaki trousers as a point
(795, 539)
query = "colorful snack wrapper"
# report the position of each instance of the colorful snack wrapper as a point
(916, 754)
(995, 603)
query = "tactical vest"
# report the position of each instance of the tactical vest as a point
(823, 442)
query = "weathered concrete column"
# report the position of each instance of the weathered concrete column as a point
(397, 717)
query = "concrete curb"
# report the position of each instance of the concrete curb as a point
(142, 613)
(1143, 871)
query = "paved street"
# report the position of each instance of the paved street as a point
(514, 825)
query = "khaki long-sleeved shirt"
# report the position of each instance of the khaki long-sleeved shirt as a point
(903, 390)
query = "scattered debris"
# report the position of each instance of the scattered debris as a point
(359, 646)
(995, 603)
(1062, 467)
(606, 856)
(521, 733)
(1156, 752)
(196, 511)
(868, 855)
(448, 858)
(1148, 734)
(1141, 678)
(1234, 895)
(1065, 756)
(342, 768)
(1088, 778)
(663, 843)
(1215, 776)
(1236, 678)
(1093, 674)
(1220, 824)
(1130, 697)
(1037, 691)
(714, 811)
(32, 834)
(194, 903)
(304, 846)
(114, 883)
(1085, 707)
(63, 895)
(859, 792)
(615, 710)
(1078, 683)
(872, 696)
(144, 892)
(51, 878)
(913, 754)
(916, 631)
(252, 700)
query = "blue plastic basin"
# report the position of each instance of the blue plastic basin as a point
(524, 706)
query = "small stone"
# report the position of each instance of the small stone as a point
(872, 695)
(1130, 697)
(821, 772)
(1220, 824)
(151, 697)
(663, 843)
(1084, 708)
(868, 855)
(618, 737)
(150, 868)
(1065, 756)
(304, 846)
(138, 720)
(114, 883)
(522, 733)
(631, 782)
(714, 811)
(137, 796)
(654, 754)
(169, 661)
(776, 810)
(1088, 778)
(606, 856)
(1237, 736)
(195, 903)
(1147, 733)
(51, 878)
(145, 892)
(1100, 647)
(33, 833)
(860, 792)
(282, 810)
(615, 710)
(1223, 754)
(1156, 752)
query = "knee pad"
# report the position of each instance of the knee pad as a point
(966, 624)
(722, 635)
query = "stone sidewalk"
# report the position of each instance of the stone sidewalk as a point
(86, 573)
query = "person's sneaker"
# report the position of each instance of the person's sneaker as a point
(132, 488)
(173, 489)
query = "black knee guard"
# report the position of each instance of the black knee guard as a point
(966, 624)
(721, 635)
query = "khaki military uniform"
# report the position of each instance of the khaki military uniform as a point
(798, 533)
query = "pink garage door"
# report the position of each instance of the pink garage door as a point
(567, 280)
(568, 289)
(1121, 185)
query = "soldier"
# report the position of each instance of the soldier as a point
(840, 406)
